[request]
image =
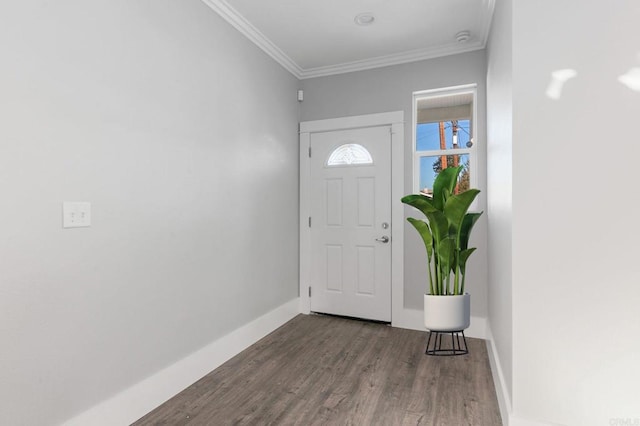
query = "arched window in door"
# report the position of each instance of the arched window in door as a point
(349, 154)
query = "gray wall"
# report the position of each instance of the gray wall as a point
(499, 183)
(182, 135)
(390, 89)
(575, 215)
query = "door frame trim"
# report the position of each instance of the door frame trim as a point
(394, 119)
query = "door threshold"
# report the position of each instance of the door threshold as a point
(352, 318)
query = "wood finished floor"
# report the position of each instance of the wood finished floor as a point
(323, 370)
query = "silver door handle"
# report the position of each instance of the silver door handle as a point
(384, 239)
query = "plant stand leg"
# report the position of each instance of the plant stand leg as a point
(436, 348)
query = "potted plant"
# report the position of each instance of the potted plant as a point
(446, 238)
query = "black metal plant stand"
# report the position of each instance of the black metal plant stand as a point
(438, 349)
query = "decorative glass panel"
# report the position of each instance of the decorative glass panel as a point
(349, 154)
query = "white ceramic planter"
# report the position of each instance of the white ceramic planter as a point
(447, 313)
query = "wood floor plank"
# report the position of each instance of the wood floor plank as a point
(324, 370)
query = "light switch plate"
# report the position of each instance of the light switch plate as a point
(76, 214)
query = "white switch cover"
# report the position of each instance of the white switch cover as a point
(76, 214)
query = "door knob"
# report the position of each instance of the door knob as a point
(384, 239)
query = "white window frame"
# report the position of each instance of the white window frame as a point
(472, 151)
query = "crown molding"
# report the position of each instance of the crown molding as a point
(388, 60)
(233, 17)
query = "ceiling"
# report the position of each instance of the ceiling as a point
(312, 38)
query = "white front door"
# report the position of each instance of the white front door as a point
(350, 223)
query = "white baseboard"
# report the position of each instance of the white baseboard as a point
(413, 319)
(519, 421)
(136, 401)
(504, 401)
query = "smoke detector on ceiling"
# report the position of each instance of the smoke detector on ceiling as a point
(364, 19)
(463, 36)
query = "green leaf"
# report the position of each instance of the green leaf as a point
(439, 225)
(465, 230)
(424, 231)
(446, 252)
(420, 202)
(463, 257)
(456, 208)
(446, 180)
(437, 221)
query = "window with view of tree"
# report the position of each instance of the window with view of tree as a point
(443, 123)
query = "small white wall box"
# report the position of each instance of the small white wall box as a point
(76, 214)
